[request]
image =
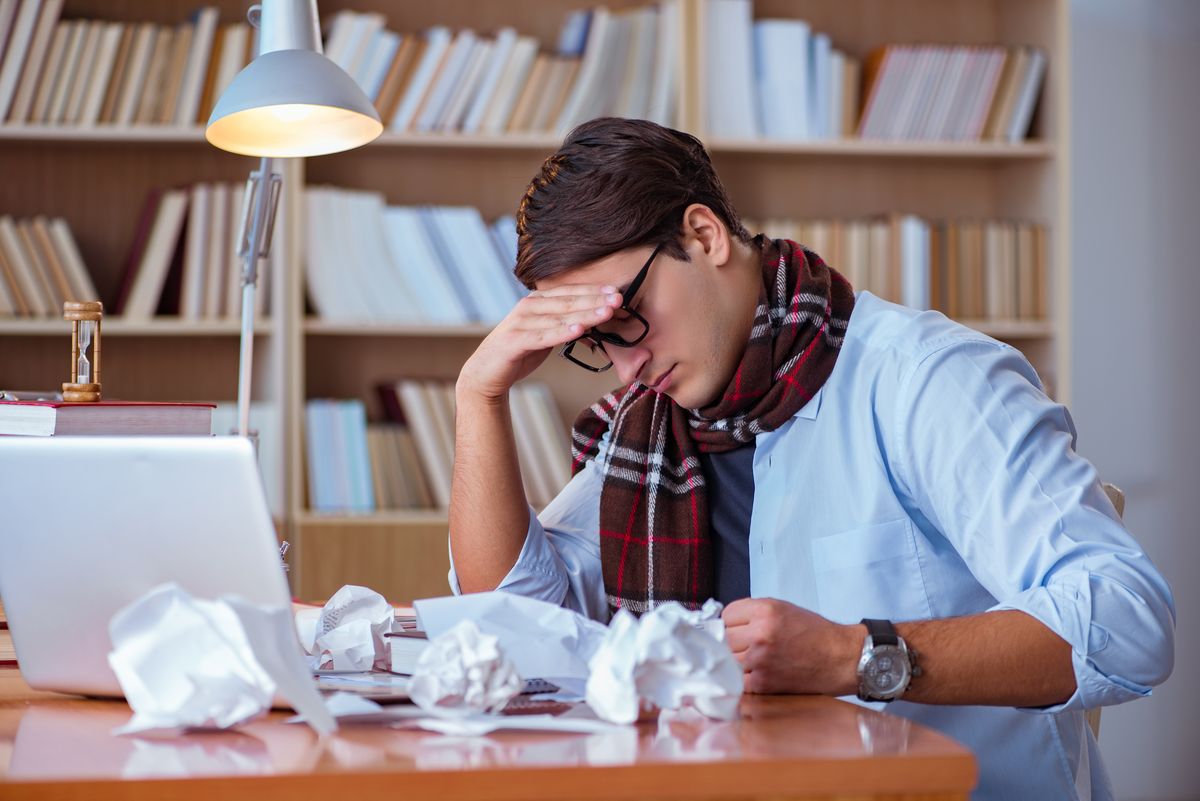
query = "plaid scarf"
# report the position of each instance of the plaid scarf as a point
(655, 544)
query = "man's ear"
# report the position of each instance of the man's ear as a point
(705, 234)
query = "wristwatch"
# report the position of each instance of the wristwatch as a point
(887, 663)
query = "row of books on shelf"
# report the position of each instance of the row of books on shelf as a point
(184, 261)
(94, 72)
(40, 267)
(369, 262)
(406, 462)
(731, 76)
(991, 270)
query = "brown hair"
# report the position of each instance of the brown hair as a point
(615, 184)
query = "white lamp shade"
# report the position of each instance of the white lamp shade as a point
(292, 103)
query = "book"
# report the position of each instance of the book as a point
(53, 418)
(406, 648)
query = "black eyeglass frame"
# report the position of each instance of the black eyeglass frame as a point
(616, 340)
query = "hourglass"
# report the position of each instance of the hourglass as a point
(84, 386)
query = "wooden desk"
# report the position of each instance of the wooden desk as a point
(783, 747)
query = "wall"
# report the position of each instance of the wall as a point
(1136, 333)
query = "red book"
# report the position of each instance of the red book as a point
(50, 418)
(140, 236)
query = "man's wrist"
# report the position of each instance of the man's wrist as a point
(849, 650)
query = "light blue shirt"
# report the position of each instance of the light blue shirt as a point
(930, 478)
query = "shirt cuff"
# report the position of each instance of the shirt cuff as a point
(537, 573)
(1058, 608)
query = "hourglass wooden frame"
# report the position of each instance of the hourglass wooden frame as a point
(78, 312)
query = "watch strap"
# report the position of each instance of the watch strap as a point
(882, 632)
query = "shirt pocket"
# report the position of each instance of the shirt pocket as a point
(870, 572)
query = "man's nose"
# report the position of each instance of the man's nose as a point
(629, 362)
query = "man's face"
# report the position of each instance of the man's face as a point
(688, 353)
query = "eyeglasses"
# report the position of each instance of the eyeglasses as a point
(588, 351)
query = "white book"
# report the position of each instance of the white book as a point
(19, 41)
(504, 237)
(35, 60)
(437, 463)
(233, 262)
(134, 79)
(437, 45)
(23, 266)
(635, 96)
(1027, 96)
(837, 95)
(470, 239)
(382, 277)
(8, 14)
(353, 420)
(440, 396)
(504, 100)
(973, 75)
(195, 252)
(976, 112)
(460, 98)
(820, 55)
(320, 440)
(782, 72)
(68, 254)
(499, 58)
(102, 73)
(68, 70)
(665, 76)
(615, 70)
(588, 80)
(729, 70)
(375, 68)
(214, 269)
(362, 33)
(918, 124)
(914, 264)
(539, 486)
(87, 67)
(41, 269)
(8, 302)
(553, 436)
(413, 254)
(879, 97)
(937, 125)
(448, 257)
(915, 74)
(234, 47)
(156, 258)
(48, 78)
(200, 51)
(337, 36)
(264, 419)
(448, 78)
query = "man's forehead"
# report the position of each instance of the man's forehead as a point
(616, 269)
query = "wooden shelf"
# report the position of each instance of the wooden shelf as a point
(317, 327)
(538, 142)
(115, 326)
(387, 517)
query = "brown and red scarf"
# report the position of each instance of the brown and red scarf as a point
(655, 543)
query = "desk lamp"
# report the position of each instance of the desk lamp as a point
(289, 102)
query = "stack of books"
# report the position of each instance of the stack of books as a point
(407, 461)
(40, 268)
(55, 418)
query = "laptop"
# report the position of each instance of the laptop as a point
(89, 524)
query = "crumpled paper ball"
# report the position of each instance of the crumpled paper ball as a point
(186, 662)
(350, 631)
(464, 672)
(670, 657)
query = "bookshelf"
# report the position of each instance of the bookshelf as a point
(97, 177)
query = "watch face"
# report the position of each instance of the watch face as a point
(886, 672)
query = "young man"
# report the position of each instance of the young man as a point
(823, 463)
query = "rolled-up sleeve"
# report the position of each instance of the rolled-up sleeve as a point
(560, 559)
(990, 461)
